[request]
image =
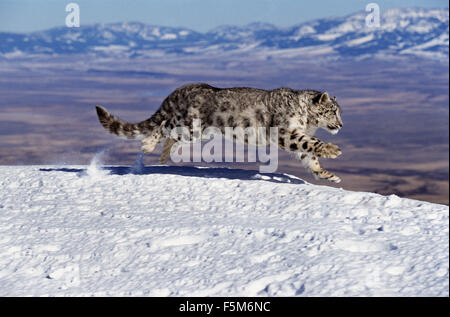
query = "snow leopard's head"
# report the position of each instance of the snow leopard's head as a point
(328, 113)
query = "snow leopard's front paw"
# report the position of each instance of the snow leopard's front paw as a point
(328, 150)
(334, 178)
(329, 176)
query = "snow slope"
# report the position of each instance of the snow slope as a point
(159, 231)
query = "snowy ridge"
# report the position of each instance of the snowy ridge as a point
(403, 31)
(172, 231)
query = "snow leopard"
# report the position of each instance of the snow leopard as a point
(297, 114)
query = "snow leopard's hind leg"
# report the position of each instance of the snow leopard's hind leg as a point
(311, 163)
(167, 150)
(151, 141)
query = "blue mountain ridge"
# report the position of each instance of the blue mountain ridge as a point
(403, 31)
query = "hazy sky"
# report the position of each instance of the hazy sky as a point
(199, 15)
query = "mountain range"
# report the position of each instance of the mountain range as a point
(403, 31)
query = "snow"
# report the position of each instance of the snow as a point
(173, 231)
(307, 51)
(73, 36)
(111, 48)
(328, 36)
(14, 54)
(303, 31)
(352, 25)
(441, 40)
(422, 27)
(107, 35)
(169, 36)
(156, 31)
(360, 40)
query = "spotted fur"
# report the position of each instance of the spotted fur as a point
(296, 113)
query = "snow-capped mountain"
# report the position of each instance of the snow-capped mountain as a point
(402, 31)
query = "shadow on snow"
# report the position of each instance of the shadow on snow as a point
(192, 171)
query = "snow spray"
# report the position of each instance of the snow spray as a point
(138, 166)
(94, 169)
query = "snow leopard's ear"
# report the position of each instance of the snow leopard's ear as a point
(324, 97)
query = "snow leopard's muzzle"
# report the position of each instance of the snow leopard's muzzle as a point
(333, 129)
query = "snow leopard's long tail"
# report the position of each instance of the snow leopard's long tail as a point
(125, 129)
